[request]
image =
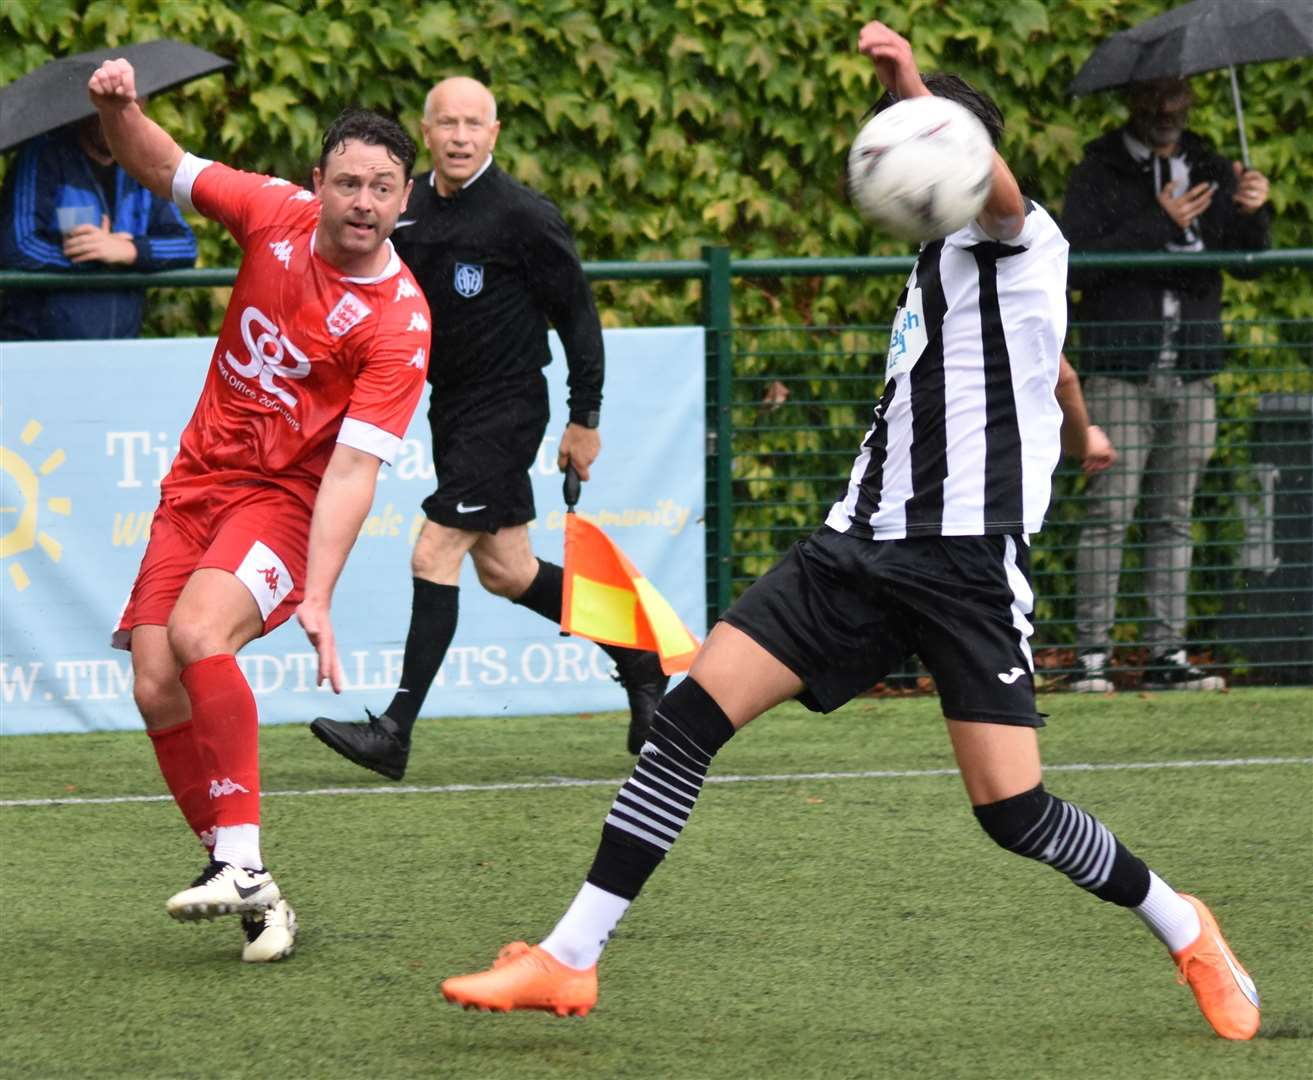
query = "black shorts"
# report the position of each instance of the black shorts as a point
(483, 447)
(842, 612)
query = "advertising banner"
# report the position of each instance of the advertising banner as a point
(88, 429)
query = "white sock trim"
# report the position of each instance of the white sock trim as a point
(579, 938)
(1173, 920)
(239, 845)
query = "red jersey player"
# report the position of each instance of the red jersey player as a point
(315, 375)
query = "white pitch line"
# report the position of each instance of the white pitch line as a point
(764, 778)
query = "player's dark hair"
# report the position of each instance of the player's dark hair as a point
(373, 129)
(945, 84)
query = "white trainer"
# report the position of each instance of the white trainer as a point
(1092, 674)
(224, 889)
(270, 934)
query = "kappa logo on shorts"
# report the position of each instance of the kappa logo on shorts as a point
(226, 786)
(270, 577)
(468, 280)
(266, 578)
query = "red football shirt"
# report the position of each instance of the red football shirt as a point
(307, 357)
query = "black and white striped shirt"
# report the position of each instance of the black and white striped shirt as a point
(966, 434)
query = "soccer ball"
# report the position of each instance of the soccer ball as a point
(920, 169)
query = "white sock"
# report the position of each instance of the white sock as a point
(582, 934)
(1173, 921)
(239, 845)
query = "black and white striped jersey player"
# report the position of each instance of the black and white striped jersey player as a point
(925, 554)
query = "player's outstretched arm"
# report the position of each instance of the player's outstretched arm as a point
(1004, 212)
(1080, 439)
(344, 498)
(145, 150)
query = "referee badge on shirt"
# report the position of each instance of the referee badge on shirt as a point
(468, 280)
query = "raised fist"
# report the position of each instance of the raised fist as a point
(113, 85)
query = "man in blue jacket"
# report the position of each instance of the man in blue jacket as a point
(109, 222)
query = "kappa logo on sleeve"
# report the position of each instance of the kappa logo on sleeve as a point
(348, 312)
(282, 250)
(405, 290)
(417, 322)
(417, 361)
(276, 181)
(469, 279)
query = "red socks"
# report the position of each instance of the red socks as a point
(226, 734)
(175, 750)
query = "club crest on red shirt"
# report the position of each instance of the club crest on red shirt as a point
(349, 311)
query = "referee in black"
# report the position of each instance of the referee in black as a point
(497, 264)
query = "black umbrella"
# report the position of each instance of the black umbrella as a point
(55, 94)
(1202, 36)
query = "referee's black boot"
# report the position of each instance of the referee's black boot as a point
(644, 682)
(376, 744)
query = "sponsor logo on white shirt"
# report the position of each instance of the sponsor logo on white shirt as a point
(349, 311)
(908, 338)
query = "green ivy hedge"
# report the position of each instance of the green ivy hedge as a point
(659, 127)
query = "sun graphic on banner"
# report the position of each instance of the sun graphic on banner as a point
(20, 506)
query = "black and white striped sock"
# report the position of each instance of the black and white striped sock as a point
(649, 812)
(1041, 826)
(654, 804)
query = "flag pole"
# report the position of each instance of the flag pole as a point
(570, 492)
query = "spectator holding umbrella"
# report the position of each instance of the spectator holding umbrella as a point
(1151, 339)
(67, 206)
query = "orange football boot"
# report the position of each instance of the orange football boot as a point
(526, 977)
(1226, 994)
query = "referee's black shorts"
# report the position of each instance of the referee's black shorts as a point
(842, 612)
(484, 444)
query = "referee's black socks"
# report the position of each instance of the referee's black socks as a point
(544, 597)
(433, 613)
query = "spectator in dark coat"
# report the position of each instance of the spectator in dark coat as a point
(1149, 342)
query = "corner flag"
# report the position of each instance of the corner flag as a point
(606, 599)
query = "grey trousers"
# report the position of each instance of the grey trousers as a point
(1164, 432)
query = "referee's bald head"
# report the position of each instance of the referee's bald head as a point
(461, 86)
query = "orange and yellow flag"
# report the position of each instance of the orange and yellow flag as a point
(606, 599)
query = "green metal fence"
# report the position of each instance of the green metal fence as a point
(788, 406)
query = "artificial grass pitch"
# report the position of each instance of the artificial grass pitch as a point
(804, 926)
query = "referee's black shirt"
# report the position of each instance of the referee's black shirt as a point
(497, 263)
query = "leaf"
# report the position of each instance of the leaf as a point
(1027, 18)
(272, 101)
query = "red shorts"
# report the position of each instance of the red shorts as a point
(258, 533)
